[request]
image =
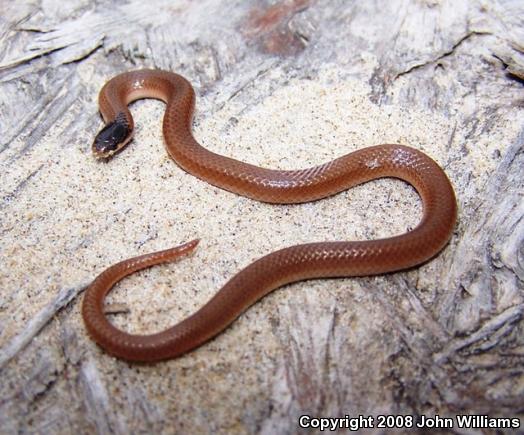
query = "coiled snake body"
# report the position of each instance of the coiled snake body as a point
(295, 263)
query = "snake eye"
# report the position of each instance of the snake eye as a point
(111, 138)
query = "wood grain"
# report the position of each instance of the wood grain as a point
(446, 338)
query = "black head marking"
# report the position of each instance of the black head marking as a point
(112, 137)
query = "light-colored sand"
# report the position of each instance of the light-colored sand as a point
(78, 215)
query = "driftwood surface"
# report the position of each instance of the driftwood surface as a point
(282, 84)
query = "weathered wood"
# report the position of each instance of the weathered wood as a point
(283, 84)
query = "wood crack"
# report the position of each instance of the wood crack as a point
(19, 187)
(511, 316)
(443, 55)
(35, 324)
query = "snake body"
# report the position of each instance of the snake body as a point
(291, 264)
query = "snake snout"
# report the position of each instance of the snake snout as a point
(111, 138)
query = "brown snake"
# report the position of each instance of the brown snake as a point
(295, 263)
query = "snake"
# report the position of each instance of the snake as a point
(326, 259)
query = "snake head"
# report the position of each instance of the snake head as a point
(112, 138)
